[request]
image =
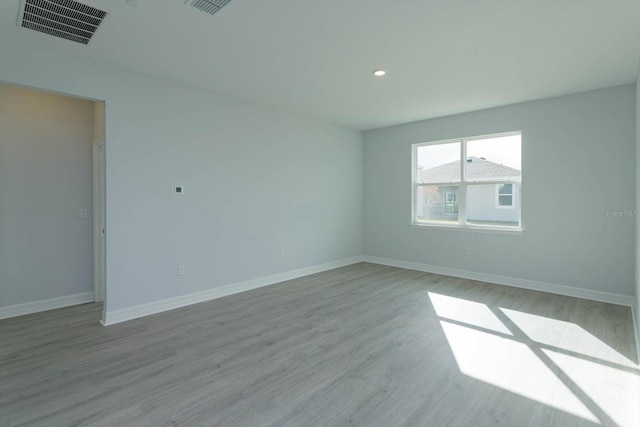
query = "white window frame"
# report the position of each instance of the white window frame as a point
(462, 189)
(512, 194)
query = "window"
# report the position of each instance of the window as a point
(504, 193)
(450, 202)
(483, 191)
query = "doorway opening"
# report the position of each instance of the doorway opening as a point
(99, 202)
(52, 200)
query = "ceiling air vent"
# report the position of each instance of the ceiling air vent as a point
(209, 6)
(67, 19)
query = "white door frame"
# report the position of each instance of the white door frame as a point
(99, 210)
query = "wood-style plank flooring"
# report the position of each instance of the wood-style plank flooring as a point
(363, 345)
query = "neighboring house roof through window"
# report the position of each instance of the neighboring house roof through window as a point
(477, 169)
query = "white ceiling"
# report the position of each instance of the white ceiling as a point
(316, 57)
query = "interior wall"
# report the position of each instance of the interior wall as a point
(637, 192)
(256, 181)
(45, 180)
(578, 169)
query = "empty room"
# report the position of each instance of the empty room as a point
(319, 213)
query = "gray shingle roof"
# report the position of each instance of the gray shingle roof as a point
(477, 169)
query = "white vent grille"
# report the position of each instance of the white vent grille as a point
(67, 19)
(208, 6)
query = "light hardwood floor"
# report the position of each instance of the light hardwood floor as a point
(363, 345)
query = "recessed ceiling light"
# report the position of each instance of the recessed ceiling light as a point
(379, 73)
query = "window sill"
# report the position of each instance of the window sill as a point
(471, 228)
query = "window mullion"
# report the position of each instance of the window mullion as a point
(414, 183)
(462, 190)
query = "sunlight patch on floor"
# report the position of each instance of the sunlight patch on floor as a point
(615, 391)
(465, 311)
(554, 362)
(512, 366)
(566, 336)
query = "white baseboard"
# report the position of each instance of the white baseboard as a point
(626, 300)
(122, 315)
(44, 305)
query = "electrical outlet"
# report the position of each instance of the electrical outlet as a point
(467, 251)
(83, 213)
(283, 253)
(181, 270)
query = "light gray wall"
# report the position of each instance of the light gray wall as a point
(45, 179)
(256, 181)
(637, 206)
(578, 161)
